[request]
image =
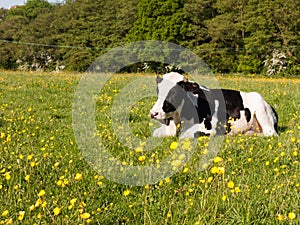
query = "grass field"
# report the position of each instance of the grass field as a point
(44, 178)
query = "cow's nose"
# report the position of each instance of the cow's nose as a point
(153, 114)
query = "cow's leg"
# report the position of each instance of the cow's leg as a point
(241, 125)
(197, 128)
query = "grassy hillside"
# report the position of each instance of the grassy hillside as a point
(45, 179)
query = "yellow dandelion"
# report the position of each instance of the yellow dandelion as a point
(224, 197)
(44, 204)
(126, 192)
(221, 170)
(218, 159)
(21, 215)
(78, 176)
(139, 149)
(29, 157)
(142, 158)
(209, 180)
(214, 170)
(38, 202)
(73, 201)
(185, 170)
(293, 139)
(174, 145)
(7, 176)
(85, 215)
(237, 189)
(5, 213)
(230, 184)
(291, 215)
(42, 193)
(280, 217)
(56, 211)
(27, 178)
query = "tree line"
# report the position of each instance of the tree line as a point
(247, 36)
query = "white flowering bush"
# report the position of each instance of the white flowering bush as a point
(275, 64)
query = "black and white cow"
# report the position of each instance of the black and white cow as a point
(193, 110)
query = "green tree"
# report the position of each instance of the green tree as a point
(159, 20)
(270, 25)
(227, 32)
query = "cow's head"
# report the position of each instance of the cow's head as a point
(172, 91)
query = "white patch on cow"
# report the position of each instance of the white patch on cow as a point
(173, 77)
(204, 88)
(262, 110)
(241, 125)
(214, 119)
(165, 131)
(169, 81)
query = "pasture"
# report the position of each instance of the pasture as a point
(44, 178)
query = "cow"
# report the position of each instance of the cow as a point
(187, 108)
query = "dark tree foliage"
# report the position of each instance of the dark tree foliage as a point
(229, 35)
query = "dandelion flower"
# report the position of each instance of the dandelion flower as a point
(209, 180)
(139, 149)
(185, 170)
(280, 217)
(5, 213)
(73, 201)
(38, 203)
(214, 170)
(56, 211)
(7, 176)
(21, 215)
(85, 215)
(221, 170)
(218, 159)
(27, 178)
(126, 193)
(230, 184)
(224, 197)
(292, 215)
(78, 176)
(44, 204)
(42, 193)
(142, 158)
(174, 145)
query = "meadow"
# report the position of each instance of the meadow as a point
(45, 179)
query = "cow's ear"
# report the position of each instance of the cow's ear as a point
(158, 79)
(185, 79)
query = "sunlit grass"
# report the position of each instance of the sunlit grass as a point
(45, 180)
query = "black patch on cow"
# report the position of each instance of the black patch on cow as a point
(247, 114)
(276, 119)
(158, 79)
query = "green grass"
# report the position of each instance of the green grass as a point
(38, 151)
